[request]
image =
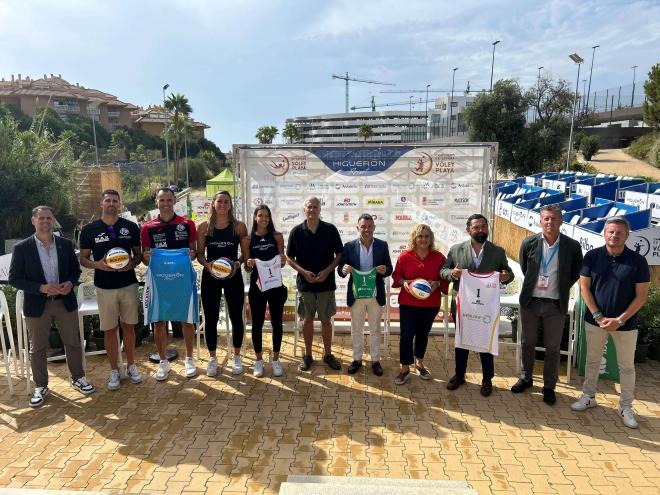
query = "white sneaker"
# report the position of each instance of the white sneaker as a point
(236, 366)
(114, 381)
(628, 417)
(83, 386)
(277, 368)
(212, 367)
(584, 403)
(37, 398)
(189, 365)
(163, 370)
(134, 374)
(259, 368)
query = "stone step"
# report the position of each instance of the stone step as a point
(329, 485)
(359, 480)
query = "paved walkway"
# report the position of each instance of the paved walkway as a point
(618, 162)
(245, 435)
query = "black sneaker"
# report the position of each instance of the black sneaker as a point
(332, 362)
(521, 385)
(455, 382)
(306, 363)
(486, 388)
(353, 367)
(377, 369)
(549, 396)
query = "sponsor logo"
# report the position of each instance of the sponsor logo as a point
(374, 187)
(346, 203)
(101, 238)
(399, 249)
(318, 187)
(461, 201)
(289, 187)
(422, 165)
(289, 217)
(402, 218)
(181, 227)
(346, 186)
(586, 245)
(431, 186)
(375, 202)
(123, 231)
(432, 200)
(262, 201)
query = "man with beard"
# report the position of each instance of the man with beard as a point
(116, 290)
(477, 255)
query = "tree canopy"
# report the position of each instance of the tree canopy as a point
(266, 133)
(652, 103)
(365, 131)
(291, 132)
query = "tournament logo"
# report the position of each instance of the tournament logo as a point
(278, 168)
(422, 165)
(642, 246)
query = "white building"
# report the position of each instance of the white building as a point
(388, 127)
(445, 110)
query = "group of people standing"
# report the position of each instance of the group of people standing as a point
(614, 283)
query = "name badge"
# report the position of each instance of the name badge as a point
(543, 282)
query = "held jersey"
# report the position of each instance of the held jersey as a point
(478, 312)
(364, 284)
(170, 289)
(269, 273)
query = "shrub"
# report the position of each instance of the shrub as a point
(589, 145)
(647, 148)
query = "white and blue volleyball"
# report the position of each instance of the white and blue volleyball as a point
(222, 268)
(420, 288)
(117, 258)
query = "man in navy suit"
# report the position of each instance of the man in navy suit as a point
(45, 267)
(366, 259)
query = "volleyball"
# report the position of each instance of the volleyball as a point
(222, 268)
(117, 258)
(419, 288)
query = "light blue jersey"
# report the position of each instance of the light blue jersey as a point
(170, 289)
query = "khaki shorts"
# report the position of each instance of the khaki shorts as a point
(323, 303)
(118, 305)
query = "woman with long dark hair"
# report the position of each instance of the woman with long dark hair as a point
(221, 237)
(265, 260)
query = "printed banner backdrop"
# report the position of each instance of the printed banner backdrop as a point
(400, 185)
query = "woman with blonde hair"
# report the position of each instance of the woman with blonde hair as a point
(221, 237)
(420, 260)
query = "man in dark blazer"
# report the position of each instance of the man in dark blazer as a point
(45, 268)
(364, 255)
(551, 263)
(477, 255)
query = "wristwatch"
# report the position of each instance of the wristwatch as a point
(621, 321)
(597, 315)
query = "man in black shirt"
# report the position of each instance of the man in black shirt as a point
(313, 250)
(614, 283)
(116, 290)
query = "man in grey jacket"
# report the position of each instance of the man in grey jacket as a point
(479, 256)
(551, 262)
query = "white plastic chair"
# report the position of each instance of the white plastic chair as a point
(23, 342)
(88, 306)
(10, 355)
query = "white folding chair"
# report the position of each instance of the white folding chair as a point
(23, 342)
(11, 354)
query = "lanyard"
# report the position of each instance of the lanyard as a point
(545, 264)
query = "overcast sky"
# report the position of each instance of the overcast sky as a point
(243, 64)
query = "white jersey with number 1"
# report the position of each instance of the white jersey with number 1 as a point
(478, 312)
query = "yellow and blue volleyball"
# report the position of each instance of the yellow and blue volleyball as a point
(117, 258)
(222, 268)
(420, 288)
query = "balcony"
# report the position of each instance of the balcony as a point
(113, 114)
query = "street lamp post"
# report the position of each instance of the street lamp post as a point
(578, 60)
(593, 55)
(167, 151)
(409, 113)
(632, 99)
(96, 148)
(538, 90)
(185, 140)
(492, 65)
(428, 127)
(451, 103)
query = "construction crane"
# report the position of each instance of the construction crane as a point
(373, 105)
(355, 79)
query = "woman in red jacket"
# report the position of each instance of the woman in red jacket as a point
(420, 260)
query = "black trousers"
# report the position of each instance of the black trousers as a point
(212, 289)
(416, 323)
(275, 298)
(462, 355)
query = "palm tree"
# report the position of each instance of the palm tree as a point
(291, 132)
(178, 104)
(121, 141)
(266, 133)
(365, 131)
